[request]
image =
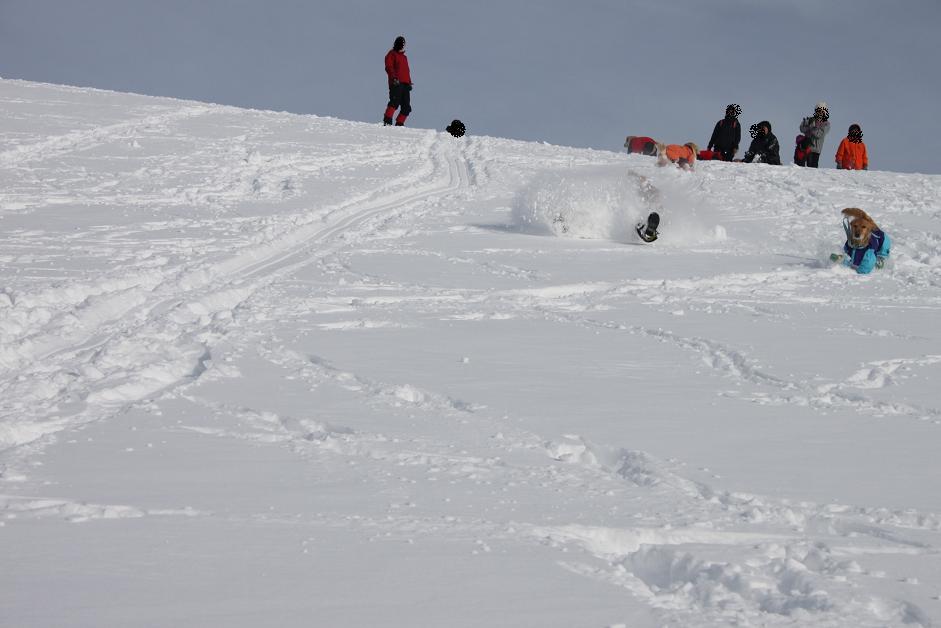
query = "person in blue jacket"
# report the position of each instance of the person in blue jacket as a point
(867, 246)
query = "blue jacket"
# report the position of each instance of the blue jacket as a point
(864, 259)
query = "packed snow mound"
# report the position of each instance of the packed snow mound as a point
(607, 202)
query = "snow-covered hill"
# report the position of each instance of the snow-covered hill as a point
(258, 368)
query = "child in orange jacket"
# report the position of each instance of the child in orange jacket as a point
(851, 155)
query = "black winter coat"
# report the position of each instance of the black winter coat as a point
(726, 136)
(766, 147)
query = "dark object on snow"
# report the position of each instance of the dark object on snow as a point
(648, 231)
(456, 128)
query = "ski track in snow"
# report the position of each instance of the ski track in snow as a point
(17, 507)
(86, 139)
(84, 349)
(173, 313)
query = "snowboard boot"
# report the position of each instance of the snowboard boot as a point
(648, 231)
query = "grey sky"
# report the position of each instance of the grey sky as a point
(582, 73)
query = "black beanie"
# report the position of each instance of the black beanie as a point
(456, 128)
(399, 43)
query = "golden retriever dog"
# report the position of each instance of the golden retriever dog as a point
(859, 227)
(684, 156)
(867, 246)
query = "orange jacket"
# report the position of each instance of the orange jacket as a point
(675, 153)
(852, 155)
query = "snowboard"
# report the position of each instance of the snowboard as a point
(648, 230)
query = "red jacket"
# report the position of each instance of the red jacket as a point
(643, 145)
(397, 67)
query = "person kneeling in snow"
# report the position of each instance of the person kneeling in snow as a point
(867, 246)
(764, 145)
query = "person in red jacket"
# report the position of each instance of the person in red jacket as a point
(400, 83)
(851, 155)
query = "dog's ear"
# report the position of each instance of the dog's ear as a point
(857, 214)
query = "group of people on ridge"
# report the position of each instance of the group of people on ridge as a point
(727, 135)
(764, 147)
(723, 144)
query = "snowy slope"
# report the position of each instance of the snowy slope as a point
(258, 368)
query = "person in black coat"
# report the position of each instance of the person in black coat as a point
(727, 134)
(764, 147)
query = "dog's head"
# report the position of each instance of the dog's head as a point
(859, 227)
(627, 142)
(661, 153)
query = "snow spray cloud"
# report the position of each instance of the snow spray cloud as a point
(606, 202)
(598, 202)
(688, 218)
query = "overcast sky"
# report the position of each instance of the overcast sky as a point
(581, 73)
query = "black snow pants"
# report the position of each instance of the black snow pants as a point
(400, 97)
